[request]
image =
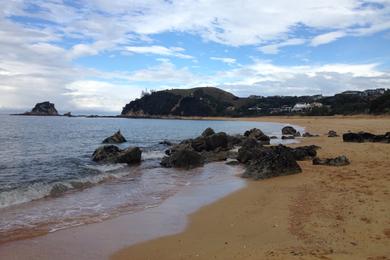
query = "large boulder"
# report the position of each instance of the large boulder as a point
(289, 130)
(304, 152)
(361, 137)
(275, 161)
(130, 155)
(257, 134)
(338, 161)
(183, 158)
(116, 138)
(250, 150)
(215, 156)
(216, 141)
(208, 131)
(112, 154)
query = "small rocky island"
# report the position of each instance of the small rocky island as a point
(43, 109)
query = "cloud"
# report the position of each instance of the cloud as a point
(265, 78)
(326, 38)
(100, 95)
(274, 48)
(159, 50)
(224, 59)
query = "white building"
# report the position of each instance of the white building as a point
(300, 107)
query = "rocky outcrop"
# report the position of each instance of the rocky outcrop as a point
(68, 114)
(338, 161)
(116, 138)
(112, 154)
(208, 147)
(332, 133)
(250, 150)
(258, 135)
(302, 153)
(183, 158)
(287, 137)
(361, 137)
(275, 161)
(289, 130)
(43, 109)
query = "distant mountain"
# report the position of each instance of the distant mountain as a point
(209, 101)
(205, 101)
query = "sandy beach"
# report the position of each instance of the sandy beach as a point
(323, 213)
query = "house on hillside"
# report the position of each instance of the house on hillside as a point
(301, 107)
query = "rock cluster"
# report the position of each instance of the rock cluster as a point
(113, 154)
(361, 137)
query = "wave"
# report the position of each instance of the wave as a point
(40, 190)
(152, 155)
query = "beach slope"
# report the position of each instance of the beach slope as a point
(324, 213)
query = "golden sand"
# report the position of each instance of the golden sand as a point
(323, 213)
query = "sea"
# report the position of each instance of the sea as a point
(38, 153)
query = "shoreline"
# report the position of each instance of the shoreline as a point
(104, 238)
(323, 213)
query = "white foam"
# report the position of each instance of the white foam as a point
(40, 190)
(153, 155)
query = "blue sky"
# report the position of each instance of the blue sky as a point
(97, 55)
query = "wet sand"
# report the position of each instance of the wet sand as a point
(323, 213)
(100, 240)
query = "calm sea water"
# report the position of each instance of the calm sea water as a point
(37, 153)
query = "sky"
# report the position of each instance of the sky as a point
(97, 55)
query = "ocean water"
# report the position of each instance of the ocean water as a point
(37, 153)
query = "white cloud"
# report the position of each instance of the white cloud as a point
(100, 95)
(159, 50)
(326, 38)
(224, 59)
(274, 48)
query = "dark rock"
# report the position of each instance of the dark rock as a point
(105, 153)
(275, 161)
(273, 137)
(166, 142)
(332, 133)
(58, 189)
(116, 138)
(286, 137)
(338, 161)
(304, 152)
(213, 156)
(112, 154)
(207, 132)
(218, 140)
(307, 134)
(43, 109)
(130, 155)
(250, 150)
(184, 158)
(289, 130)
(235, 140)
(361, 137)
(258, 135)
(68, 114)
